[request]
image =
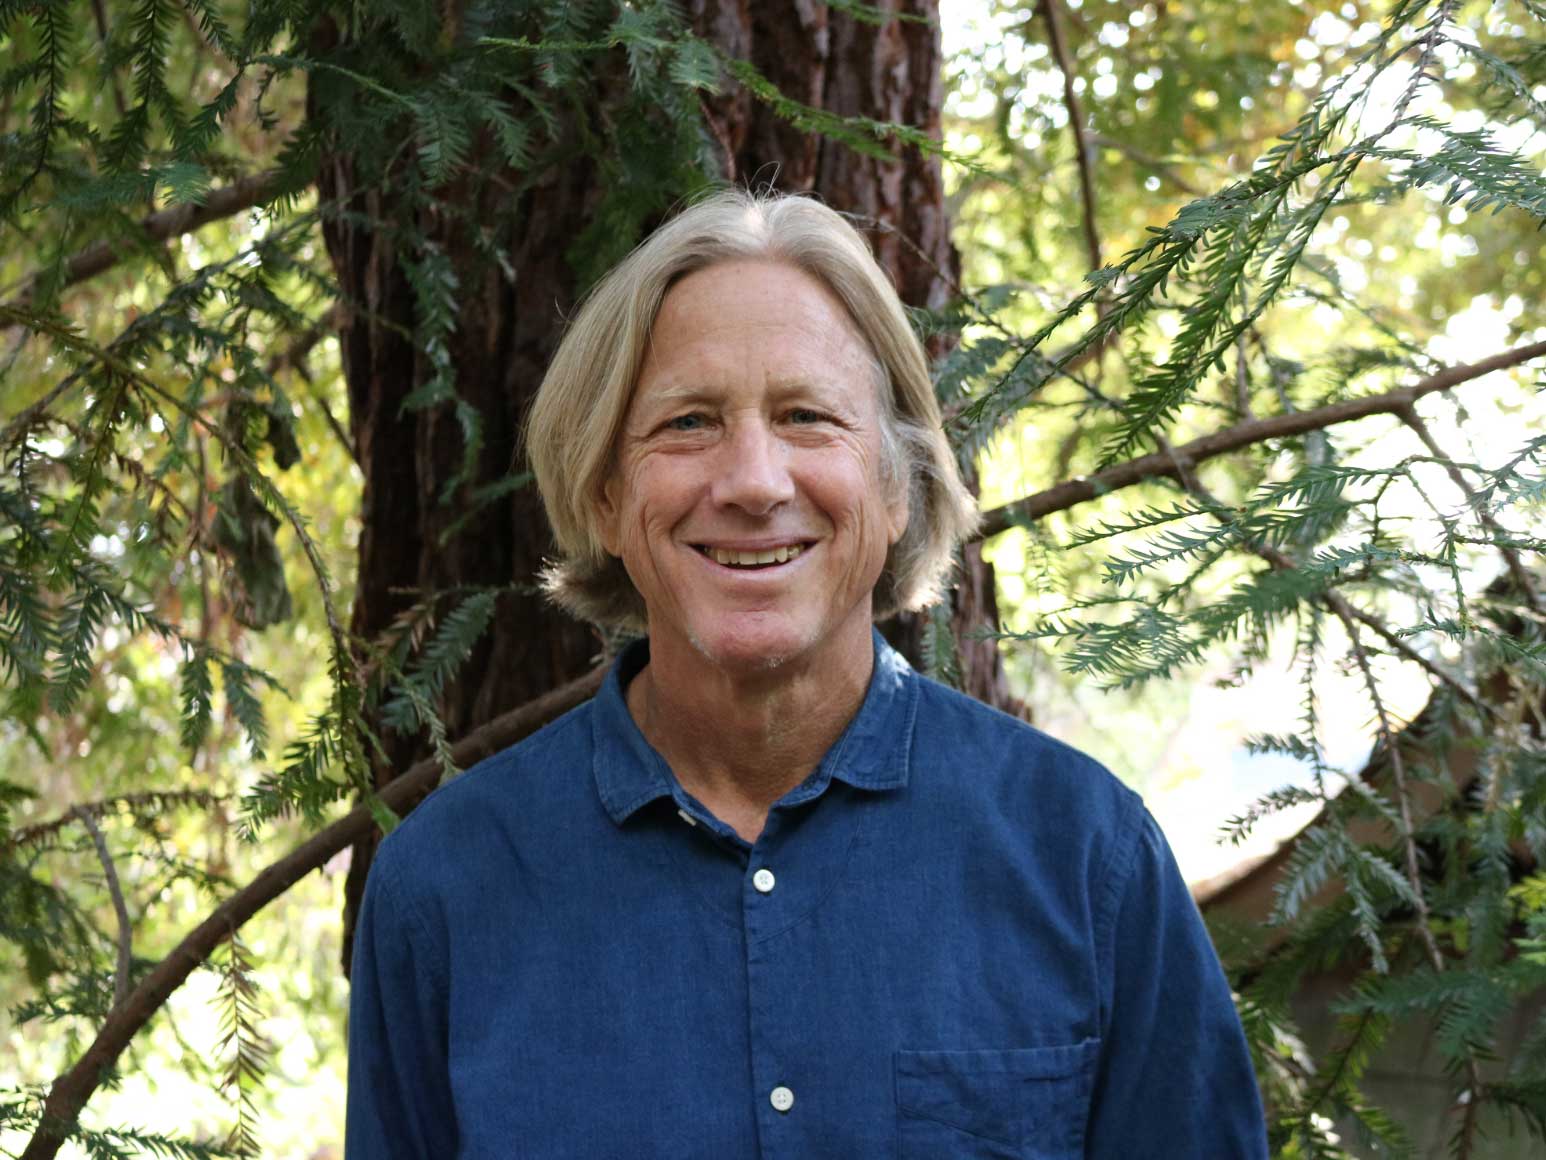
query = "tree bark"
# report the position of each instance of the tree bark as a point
(505, 333)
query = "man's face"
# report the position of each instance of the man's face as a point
(746, 499)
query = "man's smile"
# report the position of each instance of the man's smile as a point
(754, 555)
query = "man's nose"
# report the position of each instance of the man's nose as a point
(752, 472)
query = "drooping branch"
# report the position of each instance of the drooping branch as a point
(99, 10)
(128, 375)
(227, 201)
(133, 802)
(1410, 862)
(1163, 464)
(1511, 558)
(120, 907)
(1162, 168)
(1331, 598)
(70, 1091)
(1049, 11)
(1403, 796)
(293, 357)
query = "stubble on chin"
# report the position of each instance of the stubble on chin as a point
(765, 663)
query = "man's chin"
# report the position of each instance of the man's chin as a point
(751, 643)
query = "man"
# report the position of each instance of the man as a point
(771, 893)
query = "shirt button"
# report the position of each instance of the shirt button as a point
(763, 880)
(781, 1098)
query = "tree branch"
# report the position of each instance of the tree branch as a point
(293, 357)
(1076, 125)
(1161, 464)
(1410, 859)
(1338, 604)
(224, 202)
(1161, 168)
(41, 831)
(99, 10)
(120, 908)
(1392, 746)
(1516, 567)
(1333, 599)
(69, 1093)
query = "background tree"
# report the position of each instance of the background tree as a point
(197, 200)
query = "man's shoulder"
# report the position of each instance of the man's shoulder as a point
(503, 785)
(1002, 753)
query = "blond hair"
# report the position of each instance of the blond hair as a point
(572, 433)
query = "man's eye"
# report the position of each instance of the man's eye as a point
(692, 422)
(806, 415)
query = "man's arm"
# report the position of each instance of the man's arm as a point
(1174, 1080)
(399, 1091)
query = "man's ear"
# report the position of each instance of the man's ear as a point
(898, 512)
(607, 516)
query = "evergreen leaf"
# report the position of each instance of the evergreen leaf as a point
(237, 681)
(197, 699)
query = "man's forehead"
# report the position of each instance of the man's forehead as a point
(705, 385)
(825, 385)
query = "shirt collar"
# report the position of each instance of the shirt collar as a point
(873, 752)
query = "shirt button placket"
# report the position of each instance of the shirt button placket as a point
(768, 993)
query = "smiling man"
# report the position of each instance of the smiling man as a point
(772, 894)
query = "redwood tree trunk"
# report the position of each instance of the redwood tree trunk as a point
(505, 335)
(508, 329)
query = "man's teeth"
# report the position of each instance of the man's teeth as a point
(766, 556)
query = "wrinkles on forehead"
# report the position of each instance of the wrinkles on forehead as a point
(754, 327)
(777, 392)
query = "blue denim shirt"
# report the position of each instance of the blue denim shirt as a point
(956, 938)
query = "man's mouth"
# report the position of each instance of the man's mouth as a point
(752, 557)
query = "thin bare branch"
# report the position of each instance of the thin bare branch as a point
(99, 10)
(1339, 604)
(120, 908)
(1162, 169)
(1334, 600)
(70, 1091)
(1516, 567)
(293, 357)
(1073, 492)
(1068, 367)
(1403, 797)
(197, 531)
(1050, 12)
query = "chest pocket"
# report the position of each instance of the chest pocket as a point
(1026, 1103)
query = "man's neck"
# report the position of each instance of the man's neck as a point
(739, 742)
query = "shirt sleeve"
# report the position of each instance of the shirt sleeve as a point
(1174, 1080)
(399, 1105)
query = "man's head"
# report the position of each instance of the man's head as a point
(580, 416)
